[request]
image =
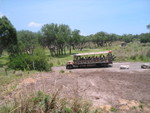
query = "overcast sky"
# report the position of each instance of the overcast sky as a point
(89, 16)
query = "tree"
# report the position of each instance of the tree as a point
(62, 36)
(56, 37)
(127, 38)
(148, 27)
(100, 38)
(48, 32)
(27, 41)
(145, 37)
(8, 37)
(83, 40)
(74, 39)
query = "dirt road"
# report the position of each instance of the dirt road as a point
(115, 67)
(108, 85)
(101, 86)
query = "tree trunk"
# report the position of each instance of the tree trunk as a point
(1, 50)
(65, 50)
(70, 48)
(57, 51)
(73, 46)
(51, 52)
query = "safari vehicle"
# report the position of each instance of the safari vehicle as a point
(91, 59)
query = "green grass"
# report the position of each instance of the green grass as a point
(133, 52)
(9, 82)
(4, 59)
(113, 109)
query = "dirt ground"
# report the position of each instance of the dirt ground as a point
(102, 86)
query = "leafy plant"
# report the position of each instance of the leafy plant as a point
(62, 71)
(37, 61)
(141, 106)
(113, 109)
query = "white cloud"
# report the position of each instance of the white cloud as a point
(34, 24)
(1, 14)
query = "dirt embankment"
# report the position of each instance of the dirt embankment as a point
(102, 86)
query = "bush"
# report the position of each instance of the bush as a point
(37, 61)
(145, 37)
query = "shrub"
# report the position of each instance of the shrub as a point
(37, 61)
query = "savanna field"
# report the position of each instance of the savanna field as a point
(34, 78)
(40, 99)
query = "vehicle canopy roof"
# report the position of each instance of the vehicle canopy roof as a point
(93, 53)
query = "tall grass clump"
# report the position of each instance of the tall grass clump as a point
(134, 51)
(46, 103)
(36, 61)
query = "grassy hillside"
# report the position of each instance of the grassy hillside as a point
(135, 52)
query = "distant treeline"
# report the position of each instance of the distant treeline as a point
(58, 38)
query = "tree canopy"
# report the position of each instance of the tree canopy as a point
(148, 27)
(27, 41)
(8, 37)
(55, 37)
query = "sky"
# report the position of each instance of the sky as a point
(88, 16)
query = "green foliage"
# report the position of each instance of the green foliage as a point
(37, 61)
(8, 37)
(113, 109)
(6, 109)
(127, 38)
(27, 41)
(145, 37)
(55, 37)
(133, 52)
(103, 39)
(141, 106)
(62, 71)
(38, 98)
(148, 26)
(74, 39)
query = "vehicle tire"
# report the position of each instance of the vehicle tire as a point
(144, 67)
(70, 67)
(67, 67)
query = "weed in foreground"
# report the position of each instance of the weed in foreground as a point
(61, 71)
(113, 109)
(45, 103)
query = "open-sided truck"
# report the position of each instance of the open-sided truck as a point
(91, 59)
